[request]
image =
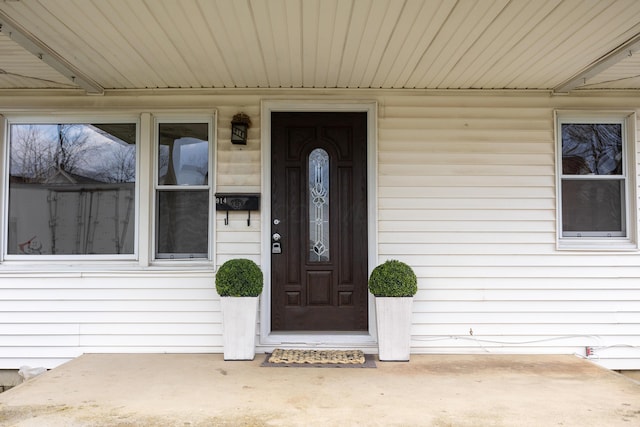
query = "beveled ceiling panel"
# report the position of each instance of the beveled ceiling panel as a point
(623, 75)
(395, 44)
(21, 69)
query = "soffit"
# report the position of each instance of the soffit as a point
(388, 44)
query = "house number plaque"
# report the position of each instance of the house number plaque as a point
(237, 202)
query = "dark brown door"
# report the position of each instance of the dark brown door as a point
(319, 221)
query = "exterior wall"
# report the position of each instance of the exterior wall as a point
(53, 312)
(239, 170)
(466, 195)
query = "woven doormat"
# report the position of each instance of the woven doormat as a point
(319, 359)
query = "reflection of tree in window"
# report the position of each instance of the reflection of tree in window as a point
(592, 206)
(72, 185)
(591, 149)
(38, 152)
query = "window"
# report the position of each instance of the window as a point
(319, 205)
(594, 179)
(71, 189)
(183, 190)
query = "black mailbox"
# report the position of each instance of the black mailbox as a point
(237, 202)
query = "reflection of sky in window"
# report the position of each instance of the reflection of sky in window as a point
(190, 161)
(189, 158)
(100, 155)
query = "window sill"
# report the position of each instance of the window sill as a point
(72, 269)
(596, 245)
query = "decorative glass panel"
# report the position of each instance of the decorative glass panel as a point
(72, 189)
(319, 206)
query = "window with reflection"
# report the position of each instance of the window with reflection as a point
(593, 183)
(182, 191)
(71, 189)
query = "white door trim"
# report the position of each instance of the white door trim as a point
(268, 340)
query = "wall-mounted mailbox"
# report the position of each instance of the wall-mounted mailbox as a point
(237, 202)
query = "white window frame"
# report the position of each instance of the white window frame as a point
(210, 118)
(627, 119)
(54, 118)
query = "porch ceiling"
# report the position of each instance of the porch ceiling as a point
(99, 45)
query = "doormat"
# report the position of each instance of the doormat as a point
(319, 359)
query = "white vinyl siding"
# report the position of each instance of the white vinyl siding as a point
(51, 313)
(48, 321)
(238, 170)
(466, 189)
(467, 196)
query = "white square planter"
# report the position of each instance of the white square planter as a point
(393, 318)
(239, 327)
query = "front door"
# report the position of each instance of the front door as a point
(319, 221)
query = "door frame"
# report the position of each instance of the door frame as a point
(358, 340)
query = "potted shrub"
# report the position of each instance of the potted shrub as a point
(239, 283)
(394, 284)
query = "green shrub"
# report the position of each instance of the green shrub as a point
(393, 278)
(239, 278)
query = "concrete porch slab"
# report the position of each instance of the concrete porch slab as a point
(431, 390)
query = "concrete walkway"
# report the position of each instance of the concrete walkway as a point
(203, 390)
